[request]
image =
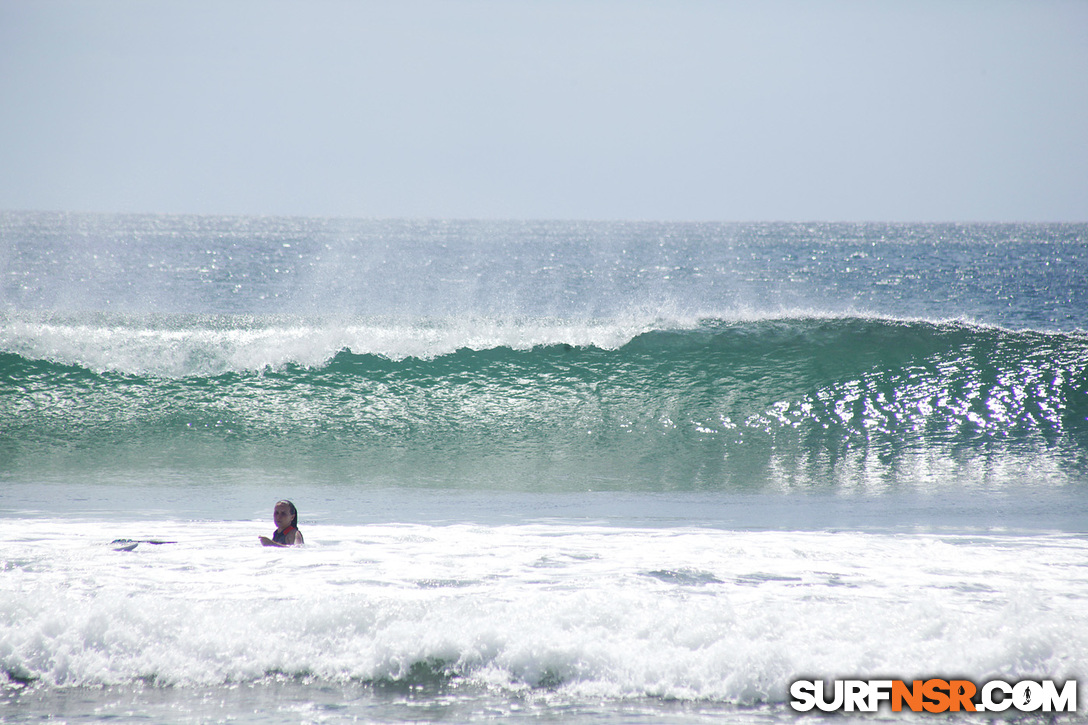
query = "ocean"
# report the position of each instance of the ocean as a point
(585, 472)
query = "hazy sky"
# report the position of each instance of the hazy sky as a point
(951, 110)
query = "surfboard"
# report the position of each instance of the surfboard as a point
(130, 544)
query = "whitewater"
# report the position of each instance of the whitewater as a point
(579, 471)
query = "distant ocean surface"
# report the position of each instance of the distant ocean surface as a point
(571, 471)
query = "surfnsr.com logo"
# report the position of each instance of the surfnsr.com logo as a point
(934, 695)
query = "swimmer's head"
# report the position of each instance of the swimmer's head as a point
(285, 514)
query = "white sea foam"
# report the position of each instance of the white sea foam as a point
(213, 345)
(223, 345)
(572, 611)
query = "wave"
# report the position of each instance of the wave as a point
(699, 401)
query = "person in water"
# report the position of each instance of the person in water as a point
(285, 516)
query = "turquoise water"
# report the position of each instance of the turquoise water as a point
(596, 472)
(781, 403)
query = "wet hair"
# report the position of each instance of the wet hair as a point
(294, 512)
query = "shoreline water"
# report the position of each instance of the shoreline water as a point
(536, 620)
(1013, 511)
